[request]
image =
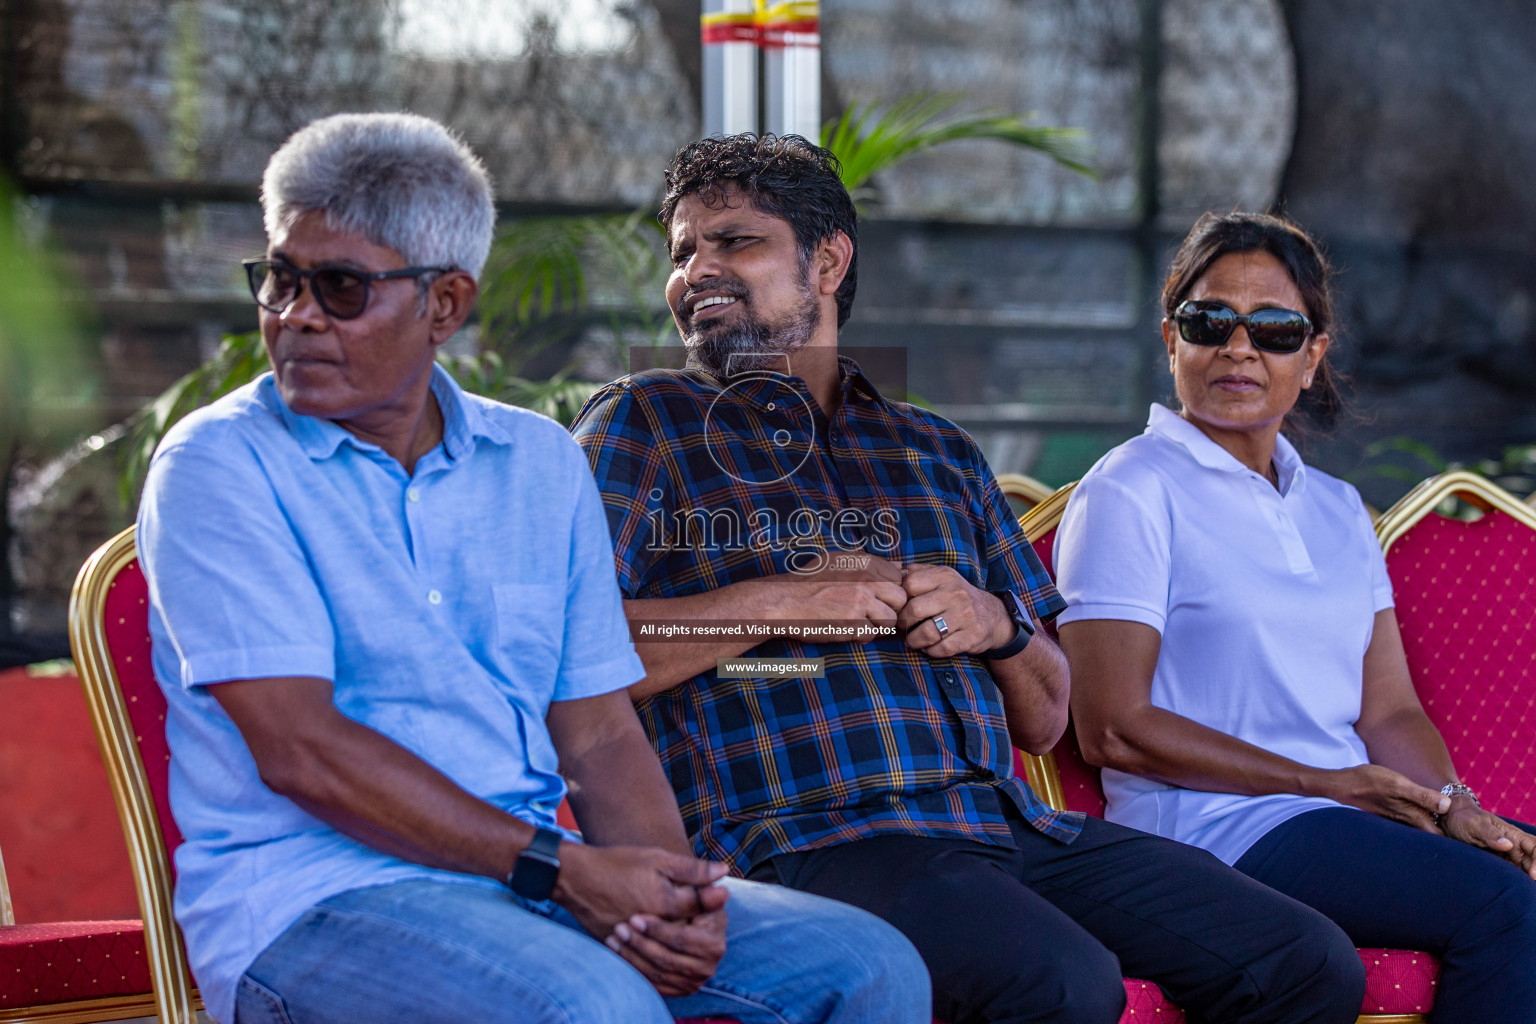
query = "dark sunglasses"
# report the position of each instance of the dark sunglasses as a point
(1211, 323)
(340, 291)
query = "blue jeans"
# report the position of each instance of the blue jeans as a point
(424, 952)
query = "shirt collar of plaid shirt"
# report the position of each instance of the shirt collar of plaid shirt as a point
(759, 386)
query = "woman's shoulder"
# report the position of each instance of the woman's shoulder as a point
(1143, 465)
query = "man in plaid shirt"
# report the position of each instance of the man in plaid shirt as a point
(768, 498)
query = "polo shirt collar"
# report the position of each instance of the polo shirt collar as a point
(463, 422)
(1170, 426)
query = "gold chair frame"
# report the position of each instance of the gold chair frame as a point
(7, 912)
(1023, 488)
(1040, 770)
(1477, 491)
(175, 999)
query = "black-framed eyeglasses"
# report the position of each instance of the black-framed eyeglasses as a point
(1211, 323)
(341, 291)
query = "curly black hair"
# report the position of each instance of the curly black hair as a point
(782, 176)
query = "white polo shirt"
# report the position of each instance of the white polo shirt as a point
(1265, 600)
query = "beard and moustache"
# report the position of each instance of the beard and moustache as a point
(750, 343)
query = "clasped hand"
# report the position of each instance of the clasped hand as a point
(1380, 790)
(1471, 824)
(660, 911)
(911, 598)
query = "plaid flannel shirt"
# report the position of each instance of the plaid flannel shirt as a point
(705, 482)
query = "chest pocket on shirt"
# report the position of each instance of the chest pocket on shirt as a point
(530, 634)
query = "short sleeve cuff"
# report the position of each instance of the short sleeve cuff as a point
(1046, 604)
(1382, 599)
(596, 680)
(257, 663)
(1120, 612)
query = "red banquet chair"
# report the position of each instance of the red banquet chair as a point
(109, 632)
(70, 972)
(1399, 983)
(1466, 604)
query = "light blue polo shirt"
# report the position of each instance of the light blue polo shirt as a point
(449, 607)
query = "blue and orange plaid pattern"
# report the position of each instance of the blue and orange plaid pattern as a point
(710, 482)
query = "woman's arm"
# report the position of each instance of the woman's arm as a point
(1399, 735)
(1118, 727)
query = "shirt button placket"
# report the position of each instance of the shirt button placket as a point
(955, 690)
(413, 524)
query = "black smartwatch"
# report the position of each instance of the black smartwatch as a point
(533, 876)
(1024, 632)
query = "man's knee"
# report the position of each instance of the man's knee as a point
(1071, 981)
(1316, 975)
(615, 994)
(1089, 986)
(1003, 959)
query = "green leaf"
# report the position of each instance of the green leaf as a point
(1406, 446)
(869, 138)
(241, 358)
(48, 375)
(549, 277)
(559, 398)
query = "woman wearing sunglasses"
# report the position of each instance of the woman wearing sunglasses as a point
(1236, 664)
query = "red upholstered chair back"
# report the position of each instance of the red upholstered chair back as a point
(1466, 604)
(1062, 778)
(109, 632)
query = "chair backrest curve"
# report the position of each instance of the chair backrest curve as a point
(109, 634)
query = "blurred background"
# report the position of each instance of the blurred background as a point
(1021, 290)
(133, 134)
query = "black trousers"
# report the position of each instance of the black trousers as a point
(1390, 885)
(1044, 932)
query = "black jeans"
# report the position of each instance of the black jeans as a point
(1390, 885)
(1044, 932)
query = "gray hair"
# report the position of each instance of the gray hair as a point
(399, 180)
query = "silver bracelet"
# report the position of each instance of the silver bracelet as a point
(1459, 789)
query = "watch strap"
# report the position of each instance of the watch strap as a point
(533, 876)
(1024, 629)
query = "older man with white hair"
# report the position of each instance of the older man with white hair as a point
(386, 623)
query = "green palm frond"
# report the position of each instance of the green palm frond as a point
(485, 373)
(49, 380)
(535, 271)
(871, 137)
(547, 278)
(241, 358)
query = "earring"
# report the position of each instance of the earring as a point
(1306, 383)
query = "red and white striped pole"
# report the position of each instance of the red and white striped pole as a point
(728, 29)
(790, 40)
(788, 37)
